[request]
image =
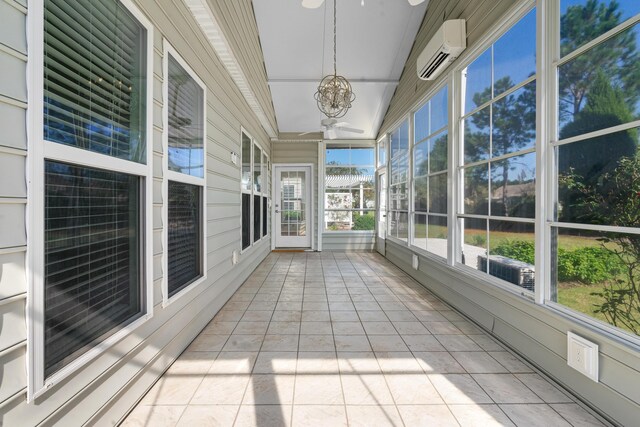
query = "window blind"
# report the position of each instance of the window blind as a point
(246, 220)
(265, 216)
(94, 77)
(92, 257)
(186, 122)
(185, 243)
(256, 218)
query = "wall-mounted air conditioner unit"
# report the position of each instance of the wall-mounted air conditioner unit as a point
(445, 46)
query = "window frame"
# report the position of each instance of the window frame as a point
(252, 192)
(511, 18)
(434, 90)
(346, 144)
(41, 150)
(255, 146)
(409, 120)
(169, 175)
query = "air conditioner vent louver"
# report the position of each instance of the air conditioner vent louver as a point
(434, 65)
(443, 48)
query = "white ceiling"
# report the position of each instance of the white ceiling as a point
(374, 41)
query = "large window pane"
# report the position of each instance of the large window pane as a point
(257, 215)
(438, 152)
(439, 113)
(257, 169)
(246, 220)
(421, 123)
(420, 231)
(93, 272)
(513, 186)
(583, 20)
(95, 78)
(511, 253)
(597, 274)
(478, 82)
(477, 136)
(438, 193)
(601, 88)
(476, 190)
(598, 180)
(185, 236)
(247, 179)
(514, 55)
(475, 242)
(437, 242)
(186, 122)
(421, 159)
(514, 121)
(420, 194)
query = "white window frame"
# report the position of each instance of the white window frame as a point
(253, 192)
(347, 144)
(257, 193)
(512, 17)
(40, 150)
(435, 89)
(409, 119)
(169, 175)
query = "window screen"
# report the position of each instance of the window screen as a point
(184, 243)
(92, 257)
(94, 77)
(186, 122)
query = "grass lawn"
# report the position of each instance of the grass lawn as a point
(578, 297)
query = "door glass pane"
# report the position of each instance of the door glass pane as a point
(293, 197)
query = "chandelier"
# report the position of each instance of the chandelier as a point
(334, 95)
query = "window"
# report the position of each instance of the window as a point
(185, 169)
(595, 230)
(498, 134)
(398, 218)
(91, 189)
(255, 191)
(349, 202)
(430, 163)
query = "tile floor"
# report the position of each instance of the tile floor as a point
(337, 339)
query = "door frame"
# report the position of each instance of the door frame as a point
(275, 196)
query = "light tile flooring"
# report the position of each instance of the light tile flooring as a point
(333, 339)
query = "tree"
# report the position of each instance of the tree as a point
(593, 158)
(512, 126)
(617, 57)
(616, 201)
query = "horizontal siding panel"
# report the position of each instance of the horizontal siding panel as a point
(13, 280)
(13, 175)
(13, 83)
(12, 225)
(14, 376)
(12, 323)
(13, 28)
(13, 124)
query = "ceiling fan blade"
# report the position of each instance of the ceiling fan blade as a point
(353, 130)
(307, 133)
(331, 133)
(312, 4)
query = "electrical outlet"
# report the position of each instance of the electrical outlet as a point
(234, 257)
(582, 355)
(415, 262)
(234, 158)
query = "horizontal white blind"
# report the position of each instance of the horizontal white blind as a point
(94, 77)
(185, 235)
(92, 257)
(186, 121)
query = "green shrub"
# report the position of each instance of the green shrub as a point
(364, 222)
(588, 265)
(478, 240)
(517, 249)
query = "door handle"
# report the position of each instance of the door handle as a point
(277, 211)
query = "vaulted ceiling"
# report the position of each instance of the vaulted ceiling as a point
(374, 38)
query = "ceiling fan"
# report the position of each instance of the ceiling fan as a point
(329, 127)
(313, 4)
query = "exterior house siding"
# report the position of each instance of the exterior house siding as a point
(106, 388)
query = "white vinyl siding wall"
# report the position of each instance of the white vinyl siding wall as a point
(107, 387)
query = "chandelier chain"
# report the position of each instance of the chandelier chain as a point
(335, 72)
